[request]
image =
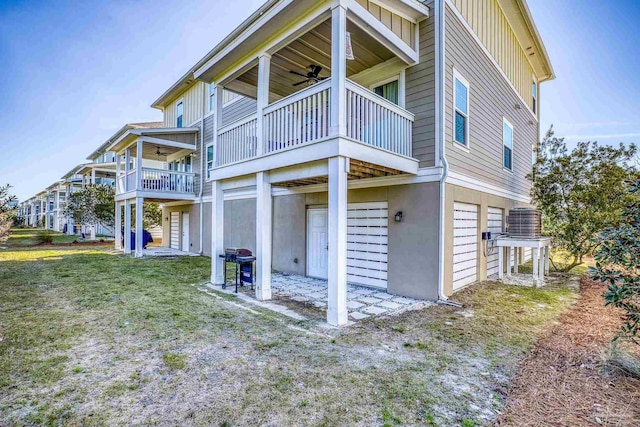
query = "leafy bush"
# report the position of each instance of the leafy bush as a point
(618, 265)
(44, 238)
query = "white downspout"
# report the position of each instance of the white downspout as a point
(440, 125)
(202, 171)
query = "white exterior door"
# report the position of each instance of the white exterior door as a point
(174, 226)
(495, 225)
(185, 233)
(465, 244)
(367, 243)
(317, 243)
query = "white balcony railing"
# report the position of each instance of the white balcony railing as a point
(167, 181)
(297, 119)
(303, 118)
(376, 121)
(237, 141)
(158, 180)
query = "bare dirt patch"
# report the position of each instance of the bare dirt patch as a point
(564, 381)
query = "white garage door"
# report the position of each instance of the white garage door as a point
(367, 243)
(465, 244)
(494, 225)
(175, 230)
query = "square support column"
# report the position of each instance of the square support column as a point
(139, 216)
(337, 313)
(338, 71)
(536, 263)
(264, 70)
(264, 232)
(118, 226)
(547, 249)
(127, 226)
(541, 265)
(139, 164)
(217, 233)
(509, 260)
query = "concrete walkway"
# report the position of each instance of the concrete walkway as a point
(159, 251)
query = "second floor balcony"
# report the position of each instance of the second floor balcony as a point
(156, 164)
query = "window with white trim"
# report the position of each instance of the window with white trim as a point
(179, 113)
(534, 97)
(212, 98)
(209, 160)
(460, 110)
(507, 144)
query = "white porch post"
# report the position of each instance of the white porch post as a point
(509, 259)
(546, 258)
(127, 168)
(139, 216)
(139, 165)
(541, 264)
(118, 226)
(118, 159)
(264, 70)
(516, 259)
(127, 226)
(93, 176)
(338, 71)
(536, 261)
(337, 293)
(217, 233)
(263, 236)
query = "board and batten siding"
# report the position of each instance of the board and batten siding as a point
(490, 99)
(400, 26)
(192, 107)
(420, 98)
(490, 24)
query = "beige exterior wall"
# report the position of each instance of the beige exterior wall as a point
(400, 26)
(192, 107)
(489, 22)
(454, 194)
(413, 243)
(490, 100)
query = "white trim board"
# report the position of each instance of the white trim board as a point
(461, 180)
(475, 37)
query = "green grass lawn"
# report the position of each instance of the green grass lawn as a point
(91, 337)
(28, 237)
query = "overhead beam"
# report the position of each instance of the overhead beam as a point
(167, 143)
(376, 29)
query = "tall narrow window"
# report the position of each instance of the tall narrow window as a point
(179, 111)
(388, 91)
(534, 97)
(507, 142)
(461, 110)
(209, 159)
(212, 91)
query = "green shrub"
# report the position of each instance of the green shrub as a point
(44, 238)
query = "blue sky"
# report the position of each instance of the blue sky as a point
(72, 73)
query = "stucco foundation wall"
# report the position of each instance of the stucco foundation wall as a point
(454, 194)
(240, 224)
(413, 243)
(193, 210)
(289, 252)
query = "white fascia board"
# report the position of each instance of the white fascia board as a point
(461, 180)
(376, 29)
(242, 37)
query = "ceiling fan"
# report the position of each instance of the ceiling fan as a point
(311, 77)
(160, 153)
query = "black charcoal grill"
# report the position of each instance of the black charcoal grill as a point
(243, 260)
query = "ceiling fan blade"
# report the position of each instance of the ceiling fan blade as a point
(322, 78)
(315, 69)
(300, 83)
(298, 74)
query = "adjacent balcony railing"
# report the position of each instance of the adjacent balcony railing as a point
(303, 118)
(157, 180)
